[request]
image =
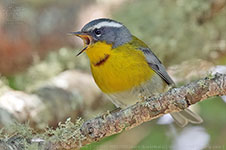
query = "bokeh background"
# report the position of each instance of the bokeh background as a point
(38, 58)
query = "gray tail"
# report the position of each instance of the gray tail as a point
(183, 117)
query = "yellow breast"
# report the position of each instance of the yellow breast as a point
(120, 69)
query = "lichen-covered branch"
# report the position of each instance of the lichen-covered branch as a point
(175, 99)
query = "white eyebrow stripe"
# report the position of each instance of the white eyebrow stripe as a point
(106, 24)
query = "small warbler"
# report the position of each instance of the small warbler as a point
(124, 67)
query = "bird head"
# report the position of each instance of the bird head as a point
(104, 30)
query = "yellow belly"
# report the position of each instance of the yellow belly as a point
(124, 69)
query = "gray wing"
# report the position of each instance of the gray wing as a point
(156, 65)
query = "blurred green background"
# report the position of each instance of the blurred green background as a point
(34, 47)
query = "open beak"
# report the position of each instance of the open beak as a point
(87, 39)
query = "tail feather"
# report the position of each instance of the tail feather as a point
(182, 118)
(179, 119)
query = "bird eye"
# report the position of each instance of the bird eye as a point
(97, 32)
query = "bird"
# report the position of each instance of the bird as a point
(125, 68)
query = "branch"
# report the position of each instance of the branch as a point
(174, 100)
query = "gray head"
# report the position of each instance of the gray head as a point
(105, 30)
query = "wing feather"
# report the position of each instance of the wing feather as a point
(156, 65)
(152, 60)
